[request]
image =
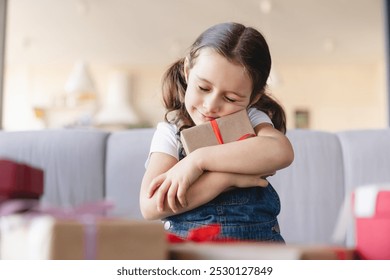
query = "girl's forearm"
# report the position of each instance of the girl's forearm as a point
(206, 188)
(257, 155)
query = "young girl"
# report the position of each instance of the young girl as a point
(225, 71)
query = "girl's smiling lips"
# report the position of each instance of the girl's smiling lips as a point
(206, 117)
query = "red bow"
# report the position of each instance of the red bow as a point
(208, 233)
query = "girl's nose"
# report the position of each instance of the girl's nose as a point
(211, 103)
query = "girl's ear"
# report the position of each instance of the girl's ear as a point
(186, 68)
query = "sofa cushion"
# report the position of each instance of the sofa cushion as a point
(311, 189)
(72, 160)
(126, 155)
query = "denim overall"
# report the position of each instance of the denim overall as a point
(243, 214)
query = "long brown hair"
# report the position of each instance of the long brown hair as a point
(239, 44)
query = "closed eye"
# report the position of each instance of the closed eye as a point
(230, 99)
(203, 89)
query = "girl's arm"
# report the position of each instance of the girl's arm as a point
(161, 202)
(261, 156)
(269, 151)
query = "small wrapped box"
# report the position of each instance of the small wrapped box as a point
(372, 219)
(45, 237)
(226, 129)
(19, 180)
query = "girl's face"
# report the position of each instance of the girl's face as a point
(216, 87)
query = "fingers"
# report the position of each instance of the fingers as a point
(181, 196)
(262, 182)
(177, 197)
(166, 190)
(155, 184)
(160, 196)
(267, 175)
(171, 197)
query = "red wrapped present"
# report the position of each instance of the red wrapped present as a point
(226, 129)
(372, 218)
(19, 180)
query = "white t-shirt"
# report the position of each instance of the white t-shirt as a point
(165, 137)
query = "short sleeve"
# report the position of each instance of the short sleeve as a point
(164, 141)
(257, 117)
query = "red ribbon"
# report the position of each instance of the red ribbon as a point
(216, 130)
(245, 136)
(218, 135)
(12, 206)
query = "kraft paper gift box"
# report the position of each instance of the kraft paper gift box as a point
(18, 180)
(44, 237)
(371, 208)
(226, 129)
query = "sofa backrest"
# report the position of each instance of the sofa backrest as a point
(125, 166)
(88, 165)
(311, 188)
(73, 162)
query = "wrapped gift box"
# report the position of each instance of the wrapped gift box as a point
(18, 180)
(372, 218)
(257, 251)
(44, 237)
(226, 129)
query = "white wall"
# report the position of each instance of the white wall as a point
(338, 73)
(339, 97)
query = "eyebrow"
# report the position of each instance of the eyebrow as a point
(231, 91)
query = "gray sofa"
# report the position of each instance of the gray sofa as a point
(89, 165)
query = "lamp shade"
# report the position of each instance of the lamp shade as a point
(79, 85)
(117, 108)
(80, 81)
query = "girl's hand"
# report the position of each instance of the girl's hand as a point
(173, 184)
